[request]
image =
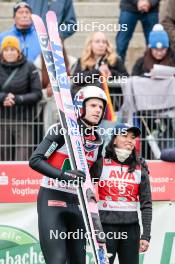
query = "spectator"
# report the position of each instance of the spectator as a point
(168, 21)
(158, 52)
(132, 11)
(123, 183)
(98, 56)
(24, 31)
(65, 16)
(64, 10)
(20, 90)
(66, 25)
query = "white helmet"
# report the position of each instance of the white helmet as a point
(85, 94)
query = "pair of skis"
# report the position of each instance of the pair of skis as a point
(53, 56)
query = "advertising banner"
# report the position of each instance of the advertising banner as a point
(162, 179)
(19, 183)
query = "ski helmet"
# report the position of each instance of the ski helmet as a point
(86, 93)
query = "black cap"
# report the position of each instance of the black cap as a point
(123, 127)
(19, 5)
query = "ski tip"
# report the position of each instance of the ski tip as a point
(37, 20)
(52, 23)
(52, 14)
(39, 24)
(35, 17)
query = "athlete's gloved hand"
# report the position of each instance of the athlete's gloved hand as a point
(73, 176)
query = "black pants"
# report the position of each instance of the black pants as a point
(57, 220)
(127, 249)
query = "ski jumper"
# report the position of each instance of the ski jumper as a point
(59, 213)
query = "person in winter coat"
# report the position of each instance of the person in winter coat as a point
(64, 10)
(132, 11)
(20, 90)
(158, 52)
(66, 19)
(24, 31)
(168, 21)
(124, 183)
(98, 57)
(58, 205)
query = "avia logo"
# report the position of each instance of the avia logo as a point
(18, 246)
(122, 175)
(4, 179)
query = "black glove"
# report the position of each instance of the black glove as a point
(73, 176)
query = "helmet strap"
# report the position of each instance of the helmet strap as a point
(87, 123)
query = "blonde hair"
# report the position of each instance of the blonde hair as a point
(88, 60)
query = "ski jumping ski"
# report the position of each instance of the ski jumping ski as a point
(53, 56)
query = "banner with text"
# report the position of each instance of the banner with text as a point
(20, 184)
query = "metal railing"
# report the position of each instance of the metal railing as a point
(157, 127)
(22, 129)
